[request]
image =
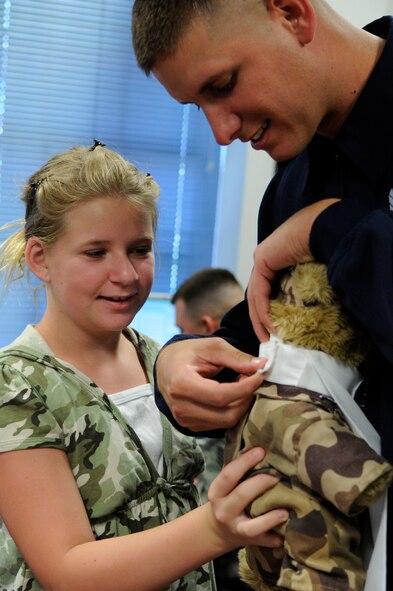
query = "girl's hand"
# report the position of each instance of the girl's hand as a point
(228, 498)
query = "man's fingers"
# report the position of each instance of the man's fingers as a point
(261, 324)
(184, 374)
(213, 405)
(208, 355)
(219, 354)
(211, 394)
(258, 296)
(205, 418)
(201, 403)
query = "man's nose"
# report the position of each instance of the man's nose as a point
(225, 124)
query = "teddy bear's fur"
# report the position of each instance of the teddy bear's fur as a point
(307, 313)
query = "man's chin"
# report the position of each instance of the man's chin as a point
(282, 152)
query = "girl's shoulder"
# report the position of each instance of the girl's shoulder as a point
(29, 363)
(146, 345)
(29, 339)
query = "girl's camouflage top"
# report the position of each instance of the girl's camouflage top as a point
(48, 403)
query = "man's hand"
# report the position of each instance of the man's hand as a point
(286, 246)
(184, 370)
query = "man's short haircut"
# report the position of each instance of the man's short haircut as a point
(210, 291)
(158, 25)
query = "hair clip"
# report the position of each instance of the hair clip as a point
(31, 200)
(35, 186)
(95, 144)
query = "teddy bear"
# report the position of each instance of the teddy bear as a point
(327, 473)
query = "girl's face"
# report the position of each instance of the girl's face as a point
(100, 270)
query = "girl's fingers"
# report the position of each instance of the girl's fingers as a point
(247, 491)
(258, 529)
(232, 473)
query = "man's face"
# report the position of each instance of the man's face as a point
(253, 75)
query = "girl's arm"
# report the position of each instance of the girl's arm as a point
(43, 511)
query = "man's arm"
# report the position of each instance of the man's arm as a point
(360, 270)
(357, 246)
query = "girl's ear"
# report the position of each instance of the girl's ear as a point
(297, 15)
(35, 255)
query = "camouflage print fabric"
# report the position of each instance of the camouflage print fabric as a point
(327, 476)
(46, 403)
(213, 453)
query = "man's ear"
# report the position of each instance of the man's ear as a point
(35, 255)
(297, 15)
(209, 323)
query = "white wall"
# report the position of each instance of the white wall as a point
(246, 173)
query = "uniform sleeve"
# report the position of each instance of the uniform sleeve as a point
(25, 421)
(358, 248)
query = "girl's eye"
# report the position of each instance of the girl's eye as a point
(95, 254)
(142, 250)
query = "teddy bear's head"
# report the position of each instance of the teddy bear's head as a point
(307, 313)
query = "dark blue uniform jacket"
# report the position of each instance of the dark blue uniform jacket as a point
(354, 237)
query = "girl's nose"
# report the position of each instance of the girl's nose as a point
(123, 270)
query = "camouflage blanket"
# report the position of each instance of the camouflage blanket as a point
(327, 477)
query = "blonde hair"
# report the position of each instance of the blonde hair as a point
(67, 179)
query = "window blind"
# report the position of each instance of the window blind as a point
(68, 75)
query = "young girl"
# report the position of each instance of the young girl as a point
(86, 458)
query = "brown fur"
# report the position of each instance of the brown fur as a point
(307, 313)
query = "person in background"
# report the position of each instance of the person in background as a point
(299, 81)
(96, 487)
(200, 303)
(203, 299)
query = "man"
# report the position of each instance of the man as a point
(298, 81)
(203, 299)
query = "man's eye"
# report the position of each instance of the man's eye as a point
(219, 91)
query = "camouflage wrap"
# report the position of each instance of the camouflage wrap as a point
(45, 403)
(327, 476)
